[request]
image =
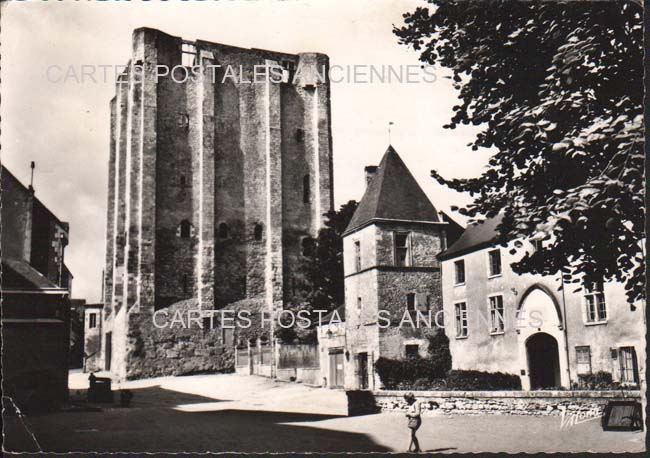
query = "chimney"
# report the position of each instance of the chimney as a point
(371, 171)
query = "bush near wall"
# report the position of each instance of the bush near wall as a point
(482, 381)
(599, 381)
(423, 374)
(433, 373)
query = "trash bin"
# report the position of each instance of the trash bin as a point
(100, 389)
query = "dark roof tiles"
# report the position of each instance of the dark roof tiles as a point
(476, 236)
(393, 194)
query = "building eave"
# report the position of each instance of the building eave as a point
(388, 220)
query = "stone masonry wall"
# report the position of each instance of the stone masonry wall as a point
(208, 153)
(536, 403)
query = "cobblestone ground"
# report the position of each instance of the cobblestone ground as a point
(254, 414)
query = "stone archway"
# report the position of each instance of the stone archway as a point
(543, 361)
(542, 343)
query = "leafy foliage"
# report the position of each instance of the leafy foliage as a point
(598, 381)
(323, 286)
(439, 352)
(324, 266)
(557, 91)
(417, 373)
(477, 380)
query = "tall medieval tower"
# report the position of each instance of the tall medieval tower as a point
(214, 180)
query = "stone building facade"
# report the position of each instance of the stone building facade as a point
(31, 233)
(391, 272)
(214, 179)
(35, 298)
(92, 322)
(532, 326)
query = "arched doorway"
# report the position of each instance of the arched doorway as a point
(543, 361)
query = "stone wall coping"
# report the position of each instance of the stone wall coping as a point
(608, 394)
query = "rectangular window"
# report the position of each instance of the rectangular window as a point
(410, 302)
(495, 262)
(497, 321)
(595, 302)
(628, 365)
(300, 135)
(306, 189)
(412, 351)
(92, 320)
(227, 336)
(583, 359)
(461, 319)
(402, 254)
(357, 256)
(459, 272)
(359, 305)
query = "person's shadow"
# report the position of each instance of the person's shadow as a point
(441, 449)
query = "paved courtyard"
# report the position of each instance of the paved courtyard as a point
(253, 414)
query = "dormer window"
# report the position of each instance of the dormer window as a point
(402, 249)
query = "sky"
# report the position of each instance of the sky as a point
(64, 126)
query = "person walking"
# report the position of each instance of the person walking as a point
(413, 414)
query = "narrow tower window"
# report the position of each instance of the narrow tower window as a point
(186, 229)
(223, 231)
(357, 255)
(258, 232)
(185, 284)
(305, 189)
(300, 135)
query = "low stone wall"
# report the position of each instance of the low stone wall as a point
(307, 376)
(588, 403)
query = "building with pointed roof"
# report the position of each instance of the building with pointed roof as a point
(391, 272)
(392, 195)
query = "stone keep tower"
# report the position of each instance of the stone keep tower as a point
(213, 182)
(390, 248)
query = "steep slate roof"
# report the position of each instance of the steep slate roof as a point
(393, 194)
(475, 237)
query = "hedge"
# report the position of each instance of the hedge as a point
(422, 374)
(599, 381)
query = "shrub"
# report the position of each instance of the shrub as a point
(482, 381)
(439, 353)
(599, 381)
(398, 374)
